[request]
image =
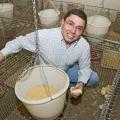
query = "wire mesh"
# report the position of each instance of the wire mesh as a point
(12, 67)
(111, 103)
(102, 52)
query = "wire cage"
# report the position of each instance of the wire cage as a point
(105, 60)
(112, 102)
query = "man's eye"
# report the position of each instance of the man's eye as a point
(70, 23)
(80, 29)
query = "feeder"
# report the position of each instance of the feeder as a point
(48, 108)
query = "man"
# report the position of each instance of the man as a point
(63, 47)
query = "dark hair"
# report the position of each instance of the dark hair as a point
(77, 12)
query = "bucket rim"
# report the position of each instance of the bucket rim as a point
(91, 18)
(100, 26)
(6, 4)
(44, 10)
(45, 100)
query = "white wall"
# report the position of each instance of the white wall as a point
(112, 4)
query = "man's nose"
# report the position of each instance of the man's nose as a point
(73, 30)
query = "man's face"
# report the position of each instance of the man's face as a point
(72, 28)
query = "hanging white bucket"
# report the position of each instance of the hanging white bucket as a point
(6, 10)
(48, 108)
(49, 17)
(98, 25)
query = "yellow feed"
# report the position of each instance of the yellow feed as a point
(40, 92)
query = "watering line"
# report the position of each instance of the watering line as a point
(38, 53)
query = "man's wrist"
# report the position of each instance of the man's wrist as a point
(80, 83)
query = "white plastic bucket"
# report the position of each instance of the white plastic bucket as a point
(47, 108)
(97, 25)
(6, 11)
(49, 17)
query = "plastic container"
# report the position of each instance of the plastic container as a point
(6, 10)
(51, 107)
(49, 17)
(97, 25)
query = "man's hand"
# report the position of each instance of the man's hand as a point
(1, 57)
(77, 90)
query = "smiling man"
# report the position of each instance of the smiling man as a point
(63, 47)
(72, 28)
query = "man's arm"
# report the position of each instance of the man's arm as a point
(84, 65)
(83, 73)
(22, 42)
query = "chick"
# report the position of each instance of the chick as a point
(75, 92)
(105, 90)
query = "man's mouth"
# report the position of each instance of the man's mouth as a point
(70, 36)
